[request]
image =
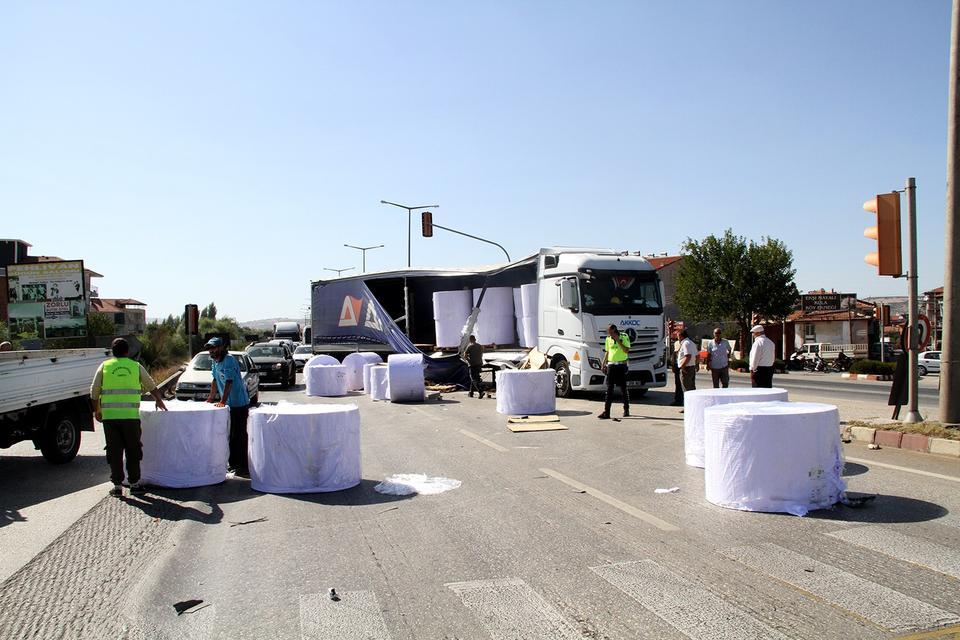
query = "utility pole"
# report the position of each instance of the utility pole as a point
(950, 353)
(363, 251)
(406, 288)
(913, 414)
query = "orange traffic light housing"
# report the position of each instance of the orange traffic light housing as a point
(887, 257)
(426, 222)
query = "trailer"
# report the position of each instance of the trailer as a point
(45, 397)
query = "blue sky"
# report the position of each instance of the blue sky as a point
(226, 151)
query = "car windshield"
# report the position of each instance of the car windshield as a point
(202, 362)
(613, 293)
(304, 349)
(265, 352)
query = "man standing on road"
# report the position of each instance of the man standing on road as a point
(718, 360)
(687, 362)
(115, 393)
(233, 393)
(473, 354)
(616, 352)
(761, 359)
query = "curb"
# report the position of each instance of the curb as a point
(872, 377)
(909, 441)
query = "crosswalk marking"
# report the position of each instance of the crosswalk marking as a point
(690, 609)
(510, 609)
(903, 547)
(888, 609)
(356, 616)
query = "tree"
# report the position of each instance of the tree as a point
(100, 324)
(209, 311)
(732, 278)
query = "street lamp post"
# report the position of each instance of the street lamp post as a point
(406, 289)
(338, 271)
(363, 251)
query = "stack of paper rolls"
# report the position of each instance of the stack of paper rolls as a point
(450, 312)
(495, 323)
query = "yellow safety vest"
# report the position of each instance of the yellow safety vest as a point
(120, 391)
(615, 352)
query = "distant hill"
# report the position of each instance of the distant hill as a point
(267, 323)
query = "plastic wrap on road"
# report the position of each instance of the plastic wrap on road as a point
(326, 381)
(185, 446)
(354, 363)
(380, 382)
(321, 360)
(450, 311)
(405, 484)
(304, 448)
(773, 456)
(526, 392)
(405, 379)
(696, 401)
(496, 323)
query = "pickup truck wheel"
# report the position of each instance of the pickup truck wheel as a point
(563, 378)
(61, 440)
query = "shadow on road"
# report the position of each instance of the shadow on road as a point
(572, 412)
(883, 510)
(854, 469)
(29, 480)
(156, 505)
(361, 494)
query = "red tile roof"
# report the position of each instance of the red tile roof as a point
(661, 262)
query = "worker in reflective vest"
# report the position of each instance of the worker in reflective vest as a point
(115, 392)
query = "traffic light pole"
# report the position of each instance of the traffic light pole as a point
(913, 414)
(950, 353)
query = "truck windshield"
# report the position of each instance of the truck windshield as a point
(615, 293)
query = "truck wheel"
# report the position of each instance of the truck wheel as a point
(563, 378)
(61, 440)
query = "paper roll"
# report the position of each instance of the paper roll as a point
(526, 392)
(366, 376)
(450, 312)
(406, 377)
(326, 381)
(380, 382)
(185, 446)
(354, 363)
(496, 323)
(321, 360)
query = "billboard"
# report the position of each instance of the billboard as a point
(47, 300)
(820, 302)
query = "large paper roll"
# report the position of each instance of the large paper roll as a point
(354, 363)
(321, 360)
(496, 323)
(366, 375)
(450, 312)
(326, 381)
(526, 392)
(695, 402)
(304, 448)
(185, 446)
(380, 382)
(529, 299)
(530, 333)
(529, 325)
(406, 377)
(518, 314)
(773, 456)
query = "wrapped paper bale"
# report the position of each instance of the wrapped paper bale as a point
(326, 381)
(366, 375)
(450, 312)
(695, 402)
(185, 446)
(380, 382)
(529, 325)
(304, 448)
(773, 456)
(526, 392)
(518, 314)
(321, 360)
(406, 377)
(354, 364)
(495, 323)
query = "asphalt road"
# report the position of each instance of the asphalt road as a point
(555, 534)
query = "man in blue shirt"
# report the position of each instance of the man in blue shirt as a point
(233, 393)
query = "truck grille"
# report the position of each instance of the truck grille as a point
(643, 346)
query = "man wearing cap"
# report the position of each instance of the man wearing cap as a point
(233, 393)
(615, 364)
(761, 359)
(115, 393)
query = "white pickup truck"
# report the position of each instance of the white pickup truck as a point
(45, 397)
(829, 351)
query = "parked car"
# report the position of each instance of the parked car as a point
(274, 362)
(928, 362)
(301, 354)
(194, 383)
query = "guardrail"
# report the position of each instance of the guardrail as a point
(167, 386)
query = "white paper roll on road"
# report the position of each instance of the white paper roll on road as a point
(406, 377)
(354, 363)
(321, 360)
(450, 312)
(695, 402)
(326, 381)
(185, 446)
(526, 392)
(366, 376)
(496, 323)
(380, 382)
(773, 456)
(304, 448)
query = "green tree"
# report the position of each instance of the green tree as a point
(100, 324)
(209, 311)
(733, 278)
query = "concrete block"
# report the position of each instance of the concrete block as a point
(945, 447)
(915, 442)
(863, 434)
(888, 438)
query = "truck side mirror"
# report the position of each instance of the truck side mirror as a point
(568, 295)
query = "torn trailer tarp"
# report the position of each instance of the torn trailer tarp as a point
(345, 312)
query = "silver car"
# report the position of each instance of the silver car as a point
(195, 381)
(928, 362)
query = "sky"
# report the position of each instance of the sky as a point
(226, 151)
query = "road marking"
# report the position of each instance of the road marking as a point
(510, 609)
(869, 601)
(929, 474)
(356, 616)
(478, 438)
(649, 518)
(689, 608)
(903, 547)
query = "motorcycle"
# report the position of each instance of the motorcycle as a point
(796, 361)
(816, 364)
(842, 363)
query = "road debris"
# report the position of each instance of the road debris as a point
(670, 490)
(405, 484)
(333, 595)
(873, 447)
(240, 524)
(188, 606)
(856, 502)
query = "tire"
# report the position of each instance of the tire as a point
(61, 439)
(563, 378)
(922, 370)
(285, 382)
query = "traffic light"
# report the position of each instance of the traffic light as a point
(426, 221)
(887, 234)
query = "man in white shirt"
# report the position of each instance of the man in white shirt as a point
(761, 359)
(718, 360)
(687, 362)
